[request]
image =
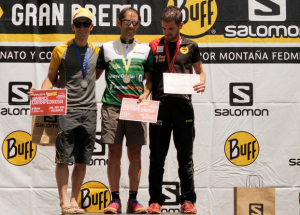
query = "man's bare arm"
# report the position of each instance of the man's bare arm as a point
(99, 73)
(147, 88)
(199, 70)
(48, 83)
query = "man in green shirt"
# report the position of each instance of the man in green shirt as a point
(126, 65)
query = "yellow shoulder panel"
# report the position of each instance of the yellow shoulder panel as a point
(57, 55)
(96, 48)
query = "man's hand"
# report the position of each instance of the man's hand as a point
(57, 83)
(142, 97)
(137, 41)
(199, 87)
(30, 94)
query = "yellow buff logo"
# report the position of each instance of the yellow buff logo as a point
(241, 148)
(18, 148)
(51, 93)
(184, 50)
(198, 16)
(94, 197)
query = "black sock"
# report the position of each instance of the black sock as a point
(132, 195)
(115, 195)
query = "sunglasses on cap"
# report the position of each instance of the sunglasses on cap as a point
(128, 22)
(78, 24)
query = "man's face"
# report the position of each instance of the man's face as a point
(82, 32)
(128, 31)
(171, 30)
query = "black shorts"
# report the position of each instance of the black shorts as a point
(76, 136)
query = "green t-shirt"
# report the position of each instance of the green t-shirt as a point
(110, 59)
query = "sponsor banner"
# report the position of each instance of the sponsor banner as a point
(94, 196)
(215, 55)
(170, 190)
(17, 148)
(17, 93)
(213, 20)
(54, 17)
(25, 54)
(241, 148)
(49, 102)
(220, 55)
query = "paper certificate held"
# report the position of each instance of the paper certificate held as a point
(49, 102)
(180, 83)
(146, 111)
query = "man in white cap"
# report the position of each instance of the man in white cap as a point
(75, 62)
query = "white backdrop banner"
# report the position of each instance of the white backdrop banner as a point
(247, 122)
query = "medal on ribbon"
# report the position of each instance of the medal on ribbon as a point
(126, 78)
(84, 83)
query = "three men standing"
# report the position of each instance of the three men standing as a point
(127, 65)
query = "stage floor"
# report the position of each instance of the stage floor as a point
(126, 213)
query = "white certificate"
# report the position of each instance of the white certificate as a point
(176, 83)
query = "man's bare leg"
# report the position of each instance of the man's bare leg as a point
(134, 171)
(113, 167)
(77, 180)
(62, 175)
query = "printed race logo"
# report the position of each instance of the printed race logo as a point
(17, 93)
(198, 16)
(18, 148)
(261, 12)
(241, 94)
(241, 148)
(52, 119)
(256, 209)
(294, 162)
(94, 197)
(267, 10)
(170, 190)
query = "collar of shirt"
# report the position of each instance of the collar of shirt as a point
(130, 41)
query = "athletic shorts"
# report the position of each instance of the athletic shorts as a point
(76, 136)
(113, 129)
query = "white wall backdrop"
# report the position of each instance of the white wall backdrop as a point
(252, 86)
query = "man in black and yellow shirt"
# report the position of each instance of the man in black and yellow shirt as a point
(75, 63)
(173, 53)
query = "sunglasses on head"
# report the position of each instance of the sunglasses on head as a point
(128, 22)
(78, 24)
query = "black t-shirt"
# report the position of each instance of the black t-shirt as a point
(172, 48)
(188, 54)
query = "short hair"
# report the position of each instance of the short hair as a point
(171, 13)
(122, 13)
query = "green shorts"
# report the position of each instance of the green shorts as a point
(113, 129)
(76, 136)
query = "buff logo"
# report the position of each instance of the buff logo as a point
(198, 16)
(18, 148)
(94, 197)
(241, 148)
(184, 50)
(51, 93)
